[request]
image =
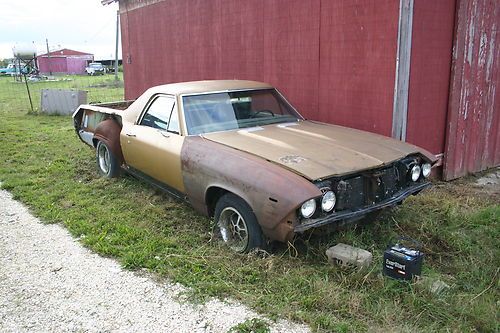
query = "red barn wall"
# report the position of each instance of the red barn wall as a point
(334, 60)
(66, 64)
(432, 39)
(357, 67)
(54, 65)
(77, 64)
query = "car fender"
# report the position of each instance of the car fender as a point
(108, 131)
(273, 192)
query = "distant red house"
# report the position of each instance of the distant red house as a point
(64, 61)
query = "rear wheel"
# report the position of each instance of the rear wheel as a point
(107, 164)
(237, 224)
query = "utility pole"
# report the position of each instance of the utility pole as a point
(116, 43)
(48, 56)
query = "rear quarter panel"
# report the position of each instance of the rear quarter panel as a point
(101, 122)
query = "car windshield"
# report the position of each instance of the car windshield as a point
(233, 110)
(96, 65)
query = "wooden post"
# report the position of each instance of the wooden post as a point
(402, 81)
(48, 56)
(116, 43)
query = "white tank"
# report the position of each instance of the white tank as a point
(25, 51)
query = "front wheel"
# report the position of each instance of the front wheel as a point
(107, 164)
(238, 225)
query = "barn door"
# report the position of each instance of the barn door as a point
(473, 139)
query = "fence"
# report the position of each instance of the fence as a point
(100, 88)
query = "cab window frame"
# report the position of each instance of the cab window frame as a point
(151, 101)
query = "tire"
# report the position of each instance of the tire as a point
(107, 164)
(231, 211)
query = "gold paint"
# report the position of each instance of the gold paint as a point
(154, 152)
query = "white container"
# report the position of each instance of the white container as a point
(24, 51)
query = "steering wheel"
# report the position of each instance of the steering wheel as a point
(263, 111)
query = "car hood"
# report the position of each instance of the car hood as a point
(317, 150)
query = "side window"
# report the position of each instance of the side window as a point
(158, 113)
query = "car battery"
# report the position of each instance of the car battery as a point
(403, 262)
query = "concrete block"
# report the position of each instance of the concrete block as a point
(348, 255)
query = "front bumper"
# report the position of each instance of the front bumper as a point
(348, 214)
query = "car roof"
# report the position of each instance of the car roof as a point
(196, 87)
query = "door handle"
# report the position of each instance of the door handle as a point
(165, 134)
(130, 134)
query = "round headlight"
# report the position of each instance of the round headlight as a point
(328, 201)
(308, 208)
(426, 169)
(415, 172)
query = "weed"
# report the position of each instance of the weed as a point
(254, 325)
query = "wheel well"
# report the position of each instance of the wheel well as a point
(95, 141)
(213, 195)
(108, 131)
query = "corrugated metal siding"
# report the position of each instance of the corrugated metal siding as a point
(432, 42)
(473, 139)
(349, 80)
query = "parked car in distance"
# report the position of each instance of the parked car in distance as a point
(240, 152)
(10, 69)
(95, 68)
(13, 69)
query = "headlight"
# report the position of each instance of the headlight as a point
(308, 208)
(426, 169)
(415, 172)
(328, 201)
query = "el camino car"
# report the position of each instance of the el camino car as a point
(240, 152)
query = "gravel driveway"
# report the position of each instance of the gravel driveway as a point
(49, 282)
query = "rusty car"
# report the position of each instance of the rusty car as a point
(238, 151)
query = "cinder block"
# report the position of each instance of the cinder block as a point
(348, 255)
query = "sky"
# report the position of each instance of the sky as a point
(82, 25)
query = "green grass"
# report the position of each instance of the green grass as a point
(44, 165)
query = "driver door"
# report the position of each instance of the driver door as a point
(152, 145)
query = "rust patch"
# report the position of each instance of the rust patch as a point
(207, 164)
(108, 131)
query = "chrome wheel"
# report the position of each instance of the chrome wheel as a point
(233, 229)
(104, 158)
